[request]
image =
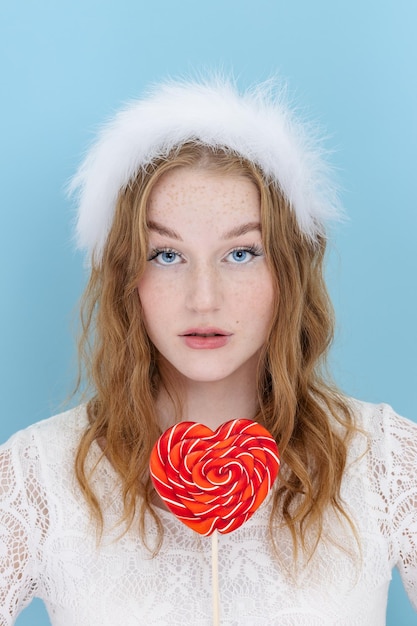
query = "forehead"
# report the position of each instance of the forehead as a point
(205, 190)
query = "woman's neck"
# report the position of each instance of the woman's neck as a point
(211, 403)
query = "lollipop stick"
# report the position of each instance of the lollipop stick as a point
(215, 578)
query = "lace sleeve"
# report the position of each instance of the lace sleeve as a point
(403, 499)
(23, 524)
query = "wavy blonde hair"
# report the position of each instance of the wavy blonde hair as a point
(308, 418)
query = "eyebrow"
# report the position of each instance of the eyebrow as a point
(163, 230)
(242, 230)
(237, 231)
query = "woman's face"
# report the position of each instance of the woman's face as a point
(207, 293)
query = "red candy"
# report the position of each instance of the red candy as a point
(214, 480)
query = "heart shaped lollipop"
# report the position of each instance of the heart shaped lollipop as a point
(214, 480)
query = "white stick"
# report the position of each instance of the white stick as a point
(215, 578)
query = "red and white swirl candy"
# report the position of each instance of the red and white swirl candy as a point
(214, 480)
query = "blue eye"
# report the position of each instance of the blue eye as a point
(168, 257)
(244, 255)
(240, 256)
(165, 257)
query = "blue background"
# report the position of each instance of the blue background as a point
(67, 64)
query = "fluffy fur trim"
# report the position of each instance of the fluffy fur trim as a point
(257, 125)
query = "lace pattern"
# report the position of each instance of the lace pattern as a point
(48, 545)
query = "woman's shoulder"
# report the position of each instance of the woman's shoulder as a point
(37, 465)
(385, 449)
(73, 421)
(390, 462)
(380, 422)
(56, 436)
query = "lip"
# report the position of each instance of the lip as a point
(208, 338)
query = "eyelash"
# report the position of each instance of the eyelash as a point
(157, 251)
(255, 250)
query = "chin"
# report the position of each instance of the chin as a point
(212, 376)
(205, 378)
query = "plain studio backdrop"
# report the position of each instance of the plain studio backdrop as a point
(67, 65)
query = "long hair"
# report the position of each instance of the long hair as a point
(308, 418)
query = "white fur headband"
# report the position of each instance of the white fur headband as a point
(256, 125)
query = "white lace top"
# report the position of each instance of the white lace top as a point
(48, 546)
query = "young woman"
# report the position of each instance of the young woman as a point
(203, 212)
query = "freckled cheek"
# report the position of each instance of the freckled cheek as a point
(264, 303)
(252, 301)
(155, 295)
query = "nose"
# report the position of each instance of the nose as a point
(203, 289)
